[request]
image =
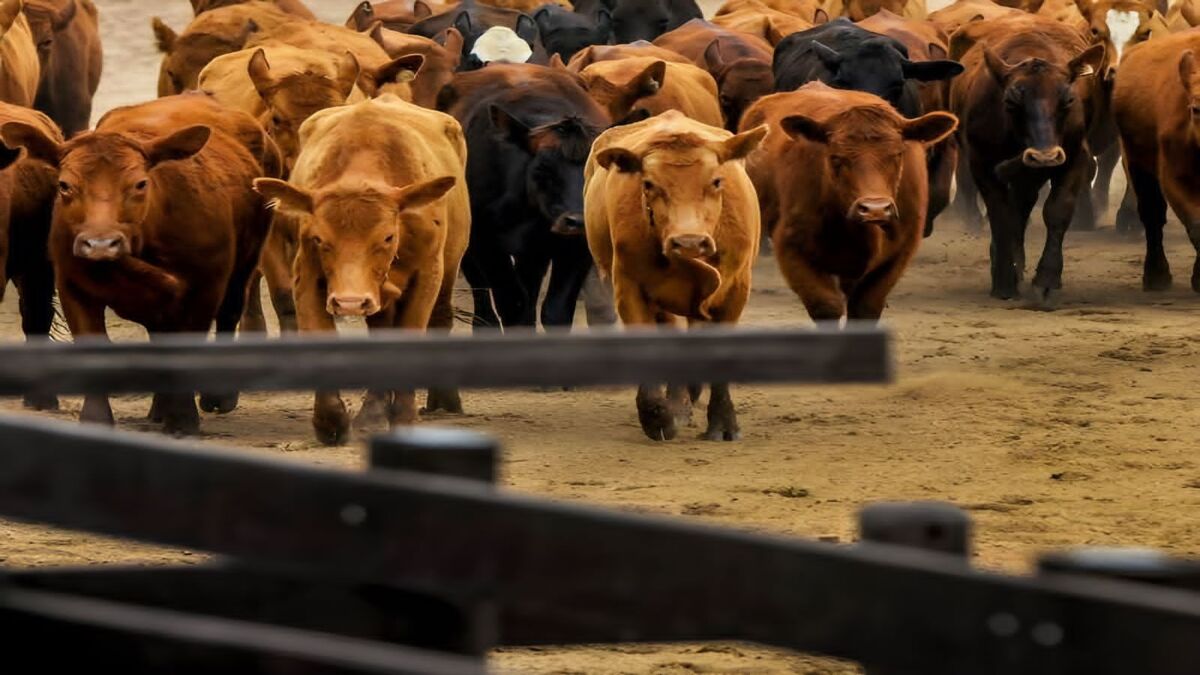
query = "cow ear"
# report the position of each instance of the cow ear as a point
(39, 145)
(937, 51)
(361, 17)
(509, 127)
(526, 29)
(420, 194)
(800, 126)
(1087, 62)
(772, 32)
(8, 156)
(1187, 69)
(556, 62)
(260, 73)
(375, 32)
(421, 10)
(931, 71)
(619, 159)
(929, 128)
(995, 63)
(284, 197)
(197, 6)
(742, 144)
(603, 24)
(182, 144)
(820, 16)
(463, 23)
(649, 81)
(347, 74)
(712, 56)
(64, 16)
(453, 41)
(828, 56)
(163, 35)
(399, 70)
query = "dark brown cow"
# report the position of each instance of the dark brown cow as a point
(67, 35)
(155, 219)
(1156, 103)
(1025, 102)
(293, 7)
(739, 62)
(842, 183)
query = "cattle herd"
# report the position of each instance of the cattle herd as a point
(632, 152)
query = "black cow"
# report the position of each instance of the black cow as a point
(529, 129)
(634, 20)
(473, 20)
(846, 56)
(564, 32)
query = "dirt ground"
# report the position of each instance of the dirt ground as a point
(1054, 429)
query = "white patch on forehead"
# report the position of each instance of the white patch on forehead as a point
(1122, 24)
(502, 45)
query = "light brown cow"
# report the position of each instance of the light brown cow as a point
(842, 183)
(634, 88)
(1156, 102)
(441, 59)
(20, 70)
(212, 34)
(155, 220)
(67, 35)
(804, 9)
(958, 14)
(597, 53)
(673, 222)
(293, 7)
(382, 227)
(336, 40)
(752, 16)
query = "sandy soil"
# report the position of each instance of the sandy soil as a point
(1054, 429)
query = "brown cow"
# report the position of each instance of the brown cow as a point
(739, 62)
(212, 34)
(673, 222)
(958, 14)
(634, 88)
(156, 220)
(441, 59)
(20, 70)
(1156, 102)
(857, 10)
(67, 35)
(1026, 101)
(842, 183)
(597, 53)
(804, 9)
(756, 18)
(25, 260)
(526, 6)
(377, 237)
(398, 15)
(293, 7)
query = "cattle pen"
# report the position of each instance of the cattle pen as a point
(421, 565)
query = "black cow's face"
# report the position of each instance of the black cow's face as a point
(565, 33)
(877, 67)
(634, 20)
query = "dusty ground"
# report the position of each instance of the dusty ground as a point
(1055, 429)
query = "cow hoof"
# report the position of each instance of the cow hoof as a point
(41, 401)
(694, 391)
(658, 422)
(445, 400)
(332, 427)
(184, 425)
(721, 433)
(373, 415)
(1045, 298)
(222, 404)
(1157, 281)
(1005, 293)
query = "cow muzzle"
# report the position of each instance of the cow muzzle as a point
(107, 246)
(346, 304)
(1044, 159)
(874, 210)
(689, 246)
(568, 225)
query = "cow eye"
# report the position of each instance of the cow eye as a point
(716, 183)
(389, 239)
(141, 185)
(317, 241)
(647, 185)
(64, 188)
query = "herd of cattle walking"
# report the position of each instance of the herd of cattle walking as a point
(358, 169)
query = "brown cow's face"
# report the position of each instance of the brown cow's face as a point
(106, 183)
(1042, 102)
(293, 98)
(742, 83)
(47, 17)
(864, 156)
(681, 181)
(354, 235)
(184, 56)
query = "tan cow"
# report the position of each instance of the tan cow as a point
(20, 70)
(383, 226)
(635, 88)
(672, 220)
(958, 14)
(772, 25)
(597, 53)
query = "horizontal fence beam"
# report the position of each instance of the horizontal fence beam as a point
(564, 573)
(66, 633)
(397, 360)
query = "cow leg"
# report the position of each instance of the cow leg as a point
(654, 410)
(412, 313)
(572, 264)
(1006, 275)
(531, 268)
(254, 320)
(35, 287)
(1152, 210)
(229, 314)
(277, 257)
(483, 314)
(1083, 214)
(447, 399)
(176, 410)
(331, 420)
(376, 402)
(943, 158)
(1067, 191)
(819, 291)
(86, 321)
(966, 194)
(1127, 212)
(722, 423)
(1106, 166)
(1177, 190)
(497, 274)
(869, 297)
(598, 301)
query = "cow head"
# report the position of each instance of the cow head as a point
(565, 33)
(864, 149)
(1152, 27)
(472, 26)
(184, 56)
(634, 20)
(740, 82)
(46, 18)
(353, 234)
(106, 183)
(292, 98)
(619, 96)
(1042, 102)
(554, 173)
(680, 178)
(877, 67)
